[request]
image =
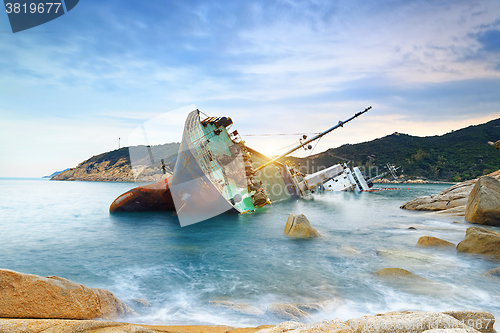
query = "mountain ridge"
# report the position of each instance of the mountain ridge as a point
(460, 155)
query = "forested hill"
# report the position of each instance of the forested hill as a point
(457, 156)
(116, 166)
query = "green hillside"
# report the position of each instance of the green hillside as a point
(140, 154)
(457, 156)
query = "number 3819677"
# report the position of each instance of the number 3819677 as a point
(32, 8)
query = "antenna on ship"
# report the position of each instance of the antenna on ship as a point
(302, 144)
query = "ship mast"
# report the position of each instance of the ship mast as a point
(340, 124)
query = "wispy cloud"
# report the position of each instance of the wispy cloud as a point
(274, 66)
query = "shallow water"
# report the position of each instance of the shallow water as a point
(65, 229)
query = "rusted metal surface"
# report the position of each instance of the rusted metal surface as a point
(150, 197)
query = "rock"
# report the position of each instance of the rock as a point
(241, 308)
(141, 306)
(327, 326)
(398, 273)
(309, 307)
(404, 256)
(68, 326)
(480, 320)
(429, 241)
(32, 296)
(452, 200)
(412, 228)
(483, 206)
(452, 330)
(494, 272)
(141, 302)
(406, 322)
(286, 312)
(481, 241)
(497, 144)
(300, 227)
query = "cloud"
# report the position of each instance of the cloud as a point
(284, 65)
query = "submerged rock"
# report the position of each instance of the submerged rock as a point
(429, 241)
(483, 206)
(286, 312)
(480, 320)
(33, 296)
(494, 272)
(398, 273)
(481, 241)
(300, 227)
(241, 308)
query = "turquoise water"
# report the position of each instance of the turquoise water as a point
(64, 229)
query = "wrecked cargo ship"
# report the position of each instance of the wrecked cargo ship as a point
(215, 172)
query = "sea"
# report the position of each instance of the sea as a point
(65, 229)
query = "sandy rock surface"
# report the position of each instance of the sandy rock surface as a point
(33, 296)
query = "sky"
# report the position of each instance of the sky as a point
(70, 88)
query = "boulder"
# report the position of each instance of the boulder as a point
(69, 326)
(497, 144)
(481, 241)
(480, 320)
(429, 241)
(241, 308)
(483, 206)
(300, 227)
(33, 296)
(286, 312)
(452, 200)
(406, 322)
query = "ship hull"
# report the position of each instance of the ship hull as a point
(152, 197)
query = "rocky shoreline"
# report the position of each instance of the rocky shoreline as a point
(452, 200)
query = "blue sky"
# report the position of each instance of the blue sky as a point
(71, 87)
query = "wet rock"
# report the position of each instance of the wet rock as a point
(412, 228)
(141, 302)
(300, 227)
(32, 296)
(68, 326)
(286, 312)
(309, 307)
(483, 206)
(429, 241)
(406, 322)
(481, 241)
(141, 306)
(398, 273)
(241, 308)
(480, 320)
(494, 272)
(404, 256)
